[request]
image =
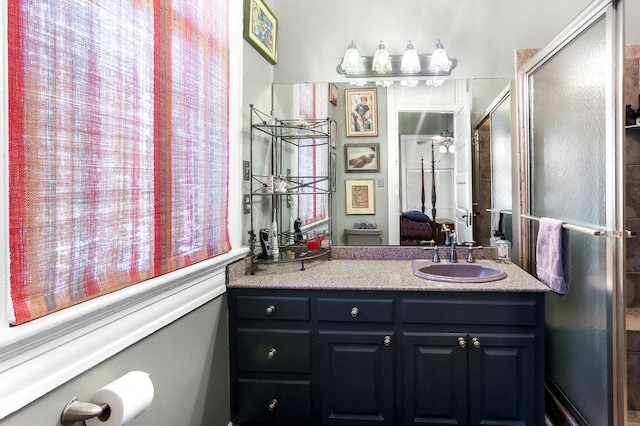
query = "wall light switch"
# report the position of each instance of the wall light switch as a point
(246, 171)
(381, 182)
(246, 203)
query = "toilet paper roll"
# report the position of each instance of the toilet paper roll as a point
(127, 398)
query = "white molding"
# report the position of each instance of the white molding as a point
(62, 345)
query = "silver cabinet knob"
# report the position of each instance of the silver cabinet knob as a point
(273, 404)
(271, 353)
(387, 341)
(461, 342)
(271, 309)
(354, 311)
(475, 342)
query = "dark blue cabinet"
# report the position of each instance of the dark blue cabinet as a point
(434, 378)
(323, 357)
(357, 378)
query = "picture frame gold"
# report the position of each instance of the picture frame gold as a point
(261, 29)
(362, 157)
(333, 94)
(360, 196)
(361, 112)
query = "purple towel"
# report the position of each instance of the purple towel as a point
(553, 255)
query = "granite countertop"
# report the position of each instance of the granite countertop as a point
(375, 274)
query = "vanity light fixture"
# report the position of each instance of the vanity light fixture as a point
(381, 60)
(410, 61)
(435, 82)
(351, 62)
(384, 83)
(409, 82)
(439, 61)
(384, 65)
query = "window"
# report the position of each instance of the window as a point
(40, 355)
(312, 105)
(118, 145)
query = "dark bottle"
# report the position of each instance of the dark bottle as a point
(630, 116)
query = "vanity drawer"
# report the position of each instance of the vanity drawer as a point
(481, 312)
(270, 307)
(274, 401)
(283, 351)
(355, 310)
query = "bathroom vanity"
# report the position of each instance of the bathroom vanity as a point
(361, 342)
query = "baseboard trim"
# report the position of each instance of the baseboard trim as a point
(560, 411)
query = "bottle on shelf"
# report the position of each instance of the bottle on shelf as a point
(275, 251)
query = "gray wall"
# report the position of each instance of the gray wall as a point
(188, 364)
(341, 220)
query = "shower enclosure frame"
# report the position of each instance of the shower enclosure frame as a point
(612, 13)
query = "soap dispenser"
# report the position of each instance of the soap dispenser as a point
(504, 251)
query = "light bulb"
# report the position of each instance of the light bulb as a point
(411, 82)
(384, 83)
(351, 60)
(410, 60)
(439, 61)
(381, 60)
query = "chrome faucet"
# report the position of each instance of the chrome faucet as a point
(436, 257)
(453, 254)
(470, 248)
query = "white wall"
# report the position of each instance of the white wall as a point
(481, 34)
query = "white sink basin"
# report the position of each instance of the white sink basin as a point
(480, 271)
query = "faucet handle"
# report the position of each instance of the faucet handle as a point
(436, 257)
(470, 248)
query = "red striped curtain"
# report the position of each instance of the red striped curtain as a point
(312, 162)
(118, 144)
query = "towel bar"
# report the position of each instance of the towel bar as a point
(501, 211)
(590, 231)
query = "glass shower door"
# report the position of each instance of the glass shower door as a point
(574, 154)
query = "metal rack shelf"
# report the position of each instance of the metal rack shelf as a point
(282, 146)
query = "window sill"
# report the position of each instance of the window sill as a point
(41, 355)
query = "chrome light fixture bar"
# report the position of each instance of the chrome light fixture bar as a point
(355, 65)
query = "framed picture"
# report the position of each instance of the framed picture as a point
(361, 107)
(261, 29)
(334, 133)
(333, 172)
(333, 94)
(360, 196)
(362, 157)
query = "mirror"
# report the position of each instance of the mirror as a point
(406, 118)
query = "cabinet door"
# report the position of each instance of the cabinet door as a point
(502, 380)
(434, 374)
(356, 383)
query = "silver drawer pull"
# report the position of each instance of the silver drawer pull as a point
(354, 311)
(461, 342)
(273, 404)
(475, 342)
(387, 341)
(271, 309)
(272, 353)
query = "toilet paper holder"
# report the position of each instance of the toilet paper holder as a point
(76, 411)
